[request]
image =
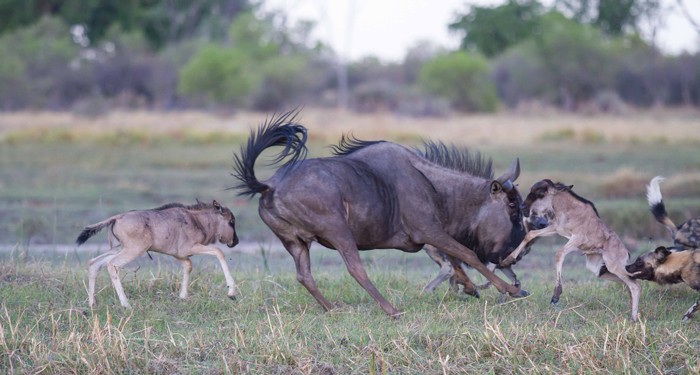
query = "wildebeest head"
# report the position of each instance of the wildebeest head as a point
(643, 267)
(537, 207)
(504, 196)
(226, 225)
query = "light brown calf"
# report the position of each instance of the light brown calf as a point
(556, 209)
(173, 229)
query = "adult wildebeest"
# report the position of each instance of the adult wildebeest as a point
(173, 229)
(554, 208)
(670, 267)
(490, 246)
(685, 236)
(371, 195)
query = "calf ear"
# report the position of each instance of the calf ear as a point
(662, 253)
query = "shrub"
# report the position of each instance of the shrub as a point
(463, 79)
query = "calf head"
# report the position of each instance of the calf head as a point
(645, 265)
(226, 225)
(537, 207)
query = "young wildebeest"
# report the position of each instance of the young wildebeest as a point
(490, 246)
(554, 208)
(371, 195)
(685, 236)
(670, 267)
(173, 229)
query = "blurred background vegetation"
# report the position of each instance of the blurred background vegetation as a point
(91, 56)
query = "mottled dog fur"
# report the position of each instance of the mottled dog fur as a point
(685, 236)
(669, 267)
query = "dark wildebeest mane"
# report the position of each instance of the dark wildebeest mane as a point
(197, 206)
(278, 130)
(457, 158)
(562, 187)
(349, 144)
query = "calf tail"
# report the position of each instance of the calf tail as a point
(91, 230)
(280, 130)
(656, 204)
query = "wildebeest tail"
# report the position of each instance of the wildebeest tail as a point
(91, 230)
(279, 130)
(656, 204)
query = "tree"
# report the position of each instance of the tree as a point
(613, 17)
(491, 30)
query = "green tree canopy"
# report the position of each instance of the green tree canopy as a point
(491, 30)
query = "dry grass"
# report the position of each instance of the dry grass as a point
(506, 129)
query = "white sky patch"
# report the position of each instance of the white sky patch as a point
(388, 28)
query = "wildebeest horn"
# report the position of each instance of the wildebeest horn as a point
(508, 185)
(512, 173)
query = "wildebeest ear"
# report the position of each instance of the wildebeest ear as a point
(512, 173)
(662, 253)
(216, 205)
(496, 187)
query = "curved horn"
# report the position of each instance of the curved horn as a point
(507, 185)
(512, 173)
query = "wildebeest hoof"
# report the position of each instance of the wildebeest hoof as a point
(554, 301)
(521, 293)
(233, 298)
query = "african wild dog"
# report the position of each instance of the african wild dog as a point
(556, 209)
(685, 236)
(670, 267)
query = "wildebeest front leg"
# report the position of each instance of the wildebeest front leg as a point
(453, 248)
(460, 277)
(300, 252)
(186, 269)
(529, 237)
(211, 250)
(559, 259)
(446, 269)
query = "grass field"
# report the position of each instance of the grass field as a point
(59, 173)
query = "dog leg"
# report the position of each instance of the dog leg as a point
(691, 311)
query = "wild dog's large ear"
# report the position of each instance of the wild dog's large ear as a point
(496, 187)
(661, 253)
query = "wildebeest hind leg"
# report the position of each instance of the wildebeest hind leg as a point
(119, 261)
(460, 277)
(94, 266)
(635, 290)
(691, 310)
(210, 250)
(351, 257)
(300, 252)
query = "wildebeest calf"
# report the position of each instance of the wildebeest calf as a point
(670, 267)
(174, 229)
(556, 209)
(685, 236)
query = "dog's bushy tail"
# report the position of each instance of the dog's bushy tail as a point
(656, 204)
(91, 230)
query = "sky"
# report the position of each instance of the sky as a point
(388, 28)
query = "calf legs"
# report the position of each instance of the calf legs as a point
(211, 250)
